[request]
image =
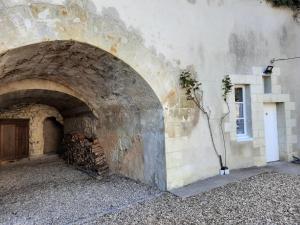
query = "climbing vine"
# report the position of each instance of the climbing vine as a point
(226, 88)
(192, 89)
(194, 93)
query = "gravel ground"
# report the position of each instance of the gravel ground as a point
(268, 198)
(53, 193)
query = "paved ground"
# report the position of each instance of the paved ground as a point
(235, 175)
(52, 193)
(284, 167)
(210, 183)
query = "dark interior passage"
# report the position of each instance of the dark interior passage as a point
(53, 133)
(118, 112)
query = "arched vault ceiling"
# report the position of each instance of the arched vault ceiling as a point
(66, 104)
(99, 76)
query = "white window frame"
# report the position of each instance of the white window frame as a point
(245, 134)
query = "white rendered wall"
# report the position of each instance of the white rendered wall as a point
(158, 39)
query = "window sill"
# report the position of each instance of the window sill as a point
(244, 139)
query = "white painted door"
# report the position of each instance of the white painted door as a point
(271, 132)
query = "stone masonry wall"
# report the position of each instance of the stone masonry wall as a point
(36, 115)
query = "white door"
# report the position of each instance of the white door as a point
(271, 132)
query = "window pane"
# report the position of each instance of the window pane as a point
(239, 110)
(239, 94)
(240, 126)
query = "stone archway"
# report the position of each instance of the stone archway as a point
(129, 124)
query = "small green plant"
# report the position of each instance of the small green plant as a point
(226, 87)
(194, 93)
(190, 84)
(292, 4)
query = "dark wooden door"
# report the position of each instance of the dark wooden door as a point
(14, 139)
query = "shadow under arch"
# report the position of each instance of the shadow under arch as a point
(130, 123)
(66, 104)
(28, 85)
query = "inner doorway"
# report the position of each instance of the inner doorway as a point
(14, 139)
(271, 132)
(53, 133)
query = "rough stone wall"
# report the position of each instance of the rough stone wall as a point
(118, 94)
(131, 139)
(84, 124)
(133, 142)
(119, 134)
(36, 115)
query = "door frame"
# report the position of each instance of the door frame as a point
(276, 153)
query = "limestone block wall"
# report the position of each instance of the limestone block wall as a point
(252, 152)
(36, 115)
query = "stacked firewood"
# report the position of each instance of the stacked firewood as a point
(85, 153)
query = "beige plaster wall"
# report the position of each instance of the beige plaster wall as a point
(158, 39)
(36, 115)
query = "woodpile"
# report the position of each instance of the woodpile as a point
(85, 153)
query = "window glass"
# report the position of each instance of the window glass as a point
(238, 94)
(240, 126)
(240, 111)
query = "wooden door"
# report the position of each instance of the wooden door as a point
(14, 139)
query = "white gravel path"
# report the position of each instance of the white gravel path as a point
(268, 198)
